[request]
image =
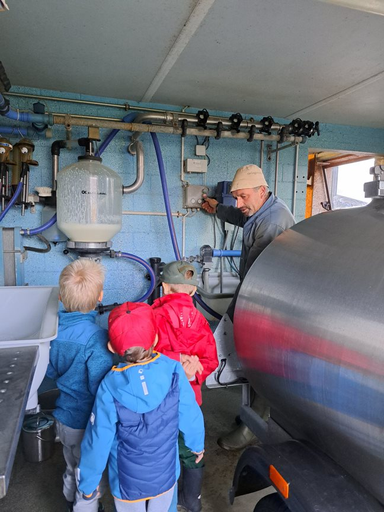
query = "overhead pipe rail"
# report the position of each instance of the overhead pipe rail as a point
(69, 121)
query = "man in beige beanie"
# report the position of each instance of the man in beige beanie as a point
(263, 216)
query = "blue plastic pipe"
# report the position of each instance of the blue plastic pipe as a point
(42, 228)
(12, 201)
(164, 187)
(12, 130)
(127, 119)
(170, 219)
(132, 257)
(221, 253)
(26, 117)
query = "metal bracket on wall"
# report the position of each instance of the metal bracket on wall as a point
(270, 151)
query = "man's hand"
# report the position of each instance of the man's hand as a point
(210, 204)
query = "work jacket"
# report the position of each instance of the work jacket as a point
(182, 329)
(259, 230)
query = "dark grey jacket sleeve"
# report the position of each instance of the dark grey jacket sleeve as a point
(231, 214)
(265, 234)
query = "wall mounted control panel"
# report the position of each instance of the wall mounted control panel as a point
(193, 195)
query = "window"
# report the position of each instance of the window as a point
(348, 184)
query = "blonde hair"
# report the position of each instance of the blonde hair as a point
(80, 285)
(137, 354)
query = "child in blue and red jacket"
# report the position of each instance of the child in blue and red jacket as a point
(78, 361)
(185, 335)
(139, 409)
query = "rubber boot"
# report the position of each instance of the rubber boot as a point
(237, 439)
(189, 498)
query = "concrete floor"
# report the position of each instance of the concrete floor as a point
(37, 487)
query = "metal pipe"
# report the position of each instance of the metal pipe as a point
(182, 161)
(261, 153)
(136, 148)
(205, 280)
(327, 189)
(148, 128)
(6, 181)
(85, 116)
(24, 194)
(174, 117)
(183, 229)
(55, 169)
(295, 179)
(276, 168)
(281, 148)
(124, 106)
(156, 214)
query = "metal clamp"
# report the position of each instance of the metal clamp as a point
(219, 129)
(184, 126)
(251, 132)
(267, 123)
(236, 120)
(202, 118)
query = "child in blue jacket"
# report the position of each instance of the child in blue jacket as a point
(78, 360)
(139, 409)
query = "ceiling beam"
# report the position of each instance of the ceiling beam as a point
(339, 95)
(192, 24)
(371, 6)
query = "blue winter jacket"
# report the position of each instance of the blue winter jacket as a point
(134, 426)
(78, 361)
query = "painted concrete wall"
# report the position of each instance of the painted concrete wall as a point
(149, 236)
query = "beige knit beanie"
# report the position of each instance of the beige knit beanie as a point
(248, 176)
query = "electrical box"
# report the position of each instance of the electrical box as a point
(196, 165)
(200, 150)
(223, 194)
(193, 196)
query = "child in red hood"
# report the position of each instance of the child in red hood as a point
(185, 335)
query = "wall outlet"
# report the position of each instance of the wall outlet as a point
(193, 196)
(196, 165)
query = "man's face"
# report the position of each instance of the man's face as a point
(249, 200)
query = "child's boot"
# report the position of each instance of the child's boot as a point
(190, 495)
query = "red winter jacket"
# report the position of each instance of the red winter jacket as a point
(184, 330)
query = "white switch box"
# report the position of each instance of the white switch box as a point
(193, 195)
(200, 150)
(195, 165)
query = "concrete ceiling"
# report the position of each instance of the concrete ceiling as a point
(285, 58)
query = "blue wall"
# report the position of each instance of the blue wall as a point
(148, 236)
